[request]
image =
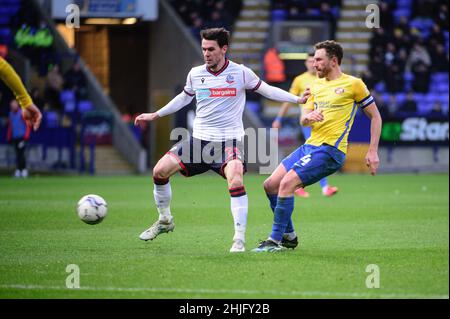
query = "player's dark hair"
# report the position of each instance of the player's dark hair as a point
(221, 35)
(332, 48)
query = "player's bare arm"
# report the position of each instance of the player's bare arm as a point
(284, 108)
(311, 116)
(145, 117)
(372, 160)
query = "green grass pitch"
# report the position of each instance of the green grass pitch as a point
(398, 222)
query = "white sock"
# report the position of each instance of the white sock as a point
(163, 196)
(239, 209)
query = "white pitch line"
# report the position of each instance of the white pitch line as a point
(231, 292)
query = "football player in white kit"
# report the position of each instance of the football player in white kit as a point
(219, 88)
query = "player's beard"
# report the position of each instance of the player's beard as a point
(324, 72)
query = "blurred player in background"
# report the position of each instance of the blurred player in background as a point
(31, 113)
(330, 111)
(219, 88)
(298, 86)
(18, 134)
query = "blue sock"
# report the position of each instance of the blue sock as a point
(283, 213)
(273, 198)
(323, 182)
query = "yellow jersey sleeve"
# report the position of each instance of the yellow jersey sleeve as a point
(361, 94)
(12, 80)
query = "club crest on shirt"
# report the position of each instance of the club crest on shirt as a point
(230, 79)
(339, 91)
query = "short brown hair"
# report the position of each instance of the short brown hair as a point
(221, 35)
(333, 49)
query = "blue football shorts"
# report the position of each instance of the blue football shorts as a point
(312, 163)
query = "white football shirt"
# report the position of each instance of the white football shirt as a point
(220, 100)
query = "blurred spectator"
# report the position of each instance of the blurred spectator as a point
(274, 67)
(378, 41)
(439, 59)
(402, 40)
(198, 15)
(410, 105)
(418, 53)
(233, 7)
(436, 36)
(389, 55)
(54, 85)
(423, 8)
(386, 17)
(3, 51)
(37, 98)
(325, 12)
(216, 20)
(403, 25)
(18, 134)
(401, 59)
(394, 79)
(197, 25)
(393, 105)
(75, 80)
(368, 79)
(421, 82)
(405, 56)
(442, 16)
(382, 106)
(377, 66)
(436, 111)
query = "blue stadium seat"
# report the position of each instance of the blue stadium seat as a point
(439, 77)
(404, 3)
(401, 13)
(314, 12)
(431, 97)
(67, 96)
(419, 98)
(335, 11)
(279, 15)
(401, 97)
(4, 20)
(51, 119)
(443, 99)
(408, 76)
(442, 87)
(380, 86)
(386, 97)
(85, 106)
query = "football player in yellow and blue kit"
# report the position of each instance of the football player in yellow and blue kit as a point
(298, 86)
(330, 111)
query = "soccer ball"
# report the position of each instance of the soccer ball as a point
(92, 209)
